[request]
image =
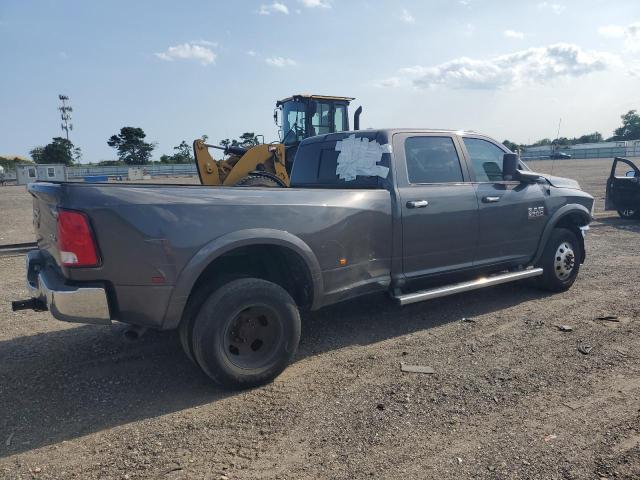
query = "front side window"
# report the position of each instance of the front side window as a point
(51, 172)
(486, 159)
(32, 173)
(432, 160)
(293, 122)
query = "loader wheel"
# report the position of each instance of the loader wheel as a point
(560, 261)
(246, 333)
(257, 181)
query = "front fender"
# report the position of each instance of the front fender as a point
(221, 245)
(572, 209)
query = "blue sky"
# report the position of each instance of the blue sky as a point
(183, 69)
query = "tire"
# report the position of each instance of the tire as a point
(257, 181)
(246, 333)
(185, 329)
(560, 261)
(629, 213)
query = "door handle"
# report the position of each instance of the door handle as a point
(490, 199)
(417, 204)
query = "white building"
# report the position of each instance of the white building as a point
(32, 173)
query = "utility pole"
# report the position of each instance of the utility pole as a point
(65, 114)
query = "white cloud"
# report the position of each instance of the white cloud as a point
(533, 65)
(275, 7)
(630, 33)
(252, 53)
(208, 43)
(389, 82)
(189, 51)
(316, 3)
(611, 31)
(556, 8)
(513, 34)
(406, 16)
(280, 62)
(632, 37)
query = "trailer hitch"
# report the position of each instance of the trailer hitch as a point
(30, 304)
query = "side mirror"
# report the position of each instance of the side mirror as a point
(509, 166)
(630, 173)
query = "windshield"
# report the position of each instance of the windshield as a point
(293, 122)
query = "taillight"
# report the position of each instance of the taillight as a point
(75, 240)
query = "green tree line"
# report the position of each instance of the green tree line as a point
(630, 130)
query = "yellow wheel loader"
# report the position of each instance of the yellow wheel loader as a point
(269, 165)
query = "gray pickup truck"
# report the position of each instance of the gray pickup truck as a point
(416, 213)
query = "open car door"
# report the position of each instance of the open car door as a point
(623, 192)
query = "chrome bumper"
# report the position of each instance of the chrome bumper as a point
(68, 303)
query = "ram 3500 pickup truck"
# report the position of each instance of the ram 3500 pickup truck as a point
(416, 213)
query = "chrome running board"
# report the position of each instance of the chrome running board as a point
(467, 286)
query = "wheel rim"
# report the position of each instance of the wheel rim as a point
(628, 212)
(564, 261)
(252, 337)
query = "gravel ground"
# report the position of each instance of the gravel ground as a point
(511, 396)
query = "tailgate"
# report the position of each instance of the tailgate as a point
(46, 198)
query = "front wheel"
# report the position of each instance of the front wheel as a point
(560, 261)
(246, 333)
(628, 213)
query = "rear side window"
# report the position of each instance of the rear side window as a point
(432, 160)
(318, 163)
(486, 159)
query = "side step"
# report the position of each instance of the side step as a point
(467, 286)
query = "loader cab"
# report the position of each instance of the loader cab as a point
(302, 116)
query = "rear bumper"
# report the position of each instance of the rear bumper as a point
(69, 303)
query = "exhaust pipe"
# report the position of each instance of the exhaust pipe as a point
(356, 118)
(133, 333)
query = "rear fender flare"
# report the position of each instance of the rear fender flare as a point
(561, 213)
(221, 245)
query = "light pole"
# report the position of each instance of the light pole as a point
(65, 114)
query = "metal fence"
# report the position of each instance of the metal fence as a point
(608, 152)
(154, 170)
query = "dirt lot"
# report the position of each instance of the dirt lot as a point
(511, 397)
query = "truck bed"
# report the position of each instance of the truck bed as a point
(148, 234)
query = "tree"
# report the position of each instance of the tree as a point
(58, 151)
(77, 154)
(540, 143)
(36, 154)
(511, 145)
(630, 129)
(246, 140)
(132, 149)
(594, 137)
(182, 155)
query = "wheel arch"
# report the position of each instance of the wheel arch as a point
(572, 217)
(255, 250)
